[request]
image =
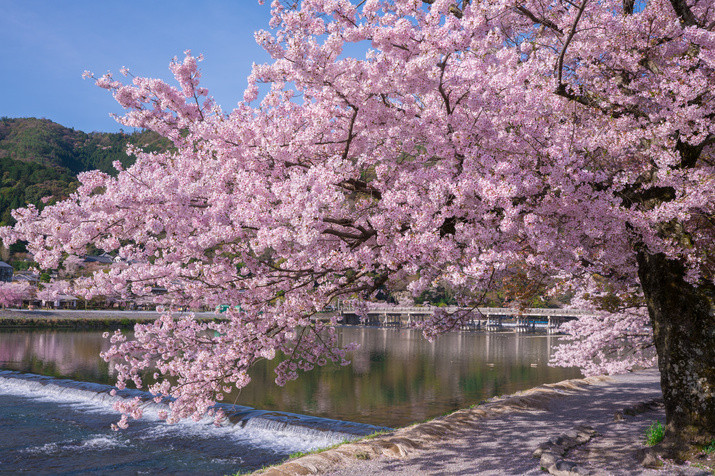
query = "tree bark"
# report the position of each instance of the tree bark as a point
(684, 330)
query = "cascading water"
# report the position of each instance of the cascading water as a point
(68, 422)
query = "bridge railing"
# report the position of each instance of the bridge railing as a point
(486, 311)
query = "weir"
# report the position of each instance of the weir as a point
(317, 432)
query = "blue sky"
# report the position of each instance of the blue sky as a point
(45, 45)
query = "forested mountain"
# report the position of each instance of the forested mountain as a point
(39, 157)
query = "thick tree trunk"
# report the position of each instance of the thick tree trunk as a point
(684, 330)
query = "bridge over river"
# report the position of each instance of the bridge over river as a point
(481, 318)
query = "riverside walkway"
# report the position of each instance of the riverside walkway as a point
(584, 426)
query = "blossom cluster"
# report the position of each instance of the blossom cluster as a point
(12, 294)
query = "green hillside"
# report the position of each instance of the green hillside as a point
(39, 157)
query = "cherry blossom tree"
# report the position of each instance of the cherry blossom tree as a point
(463, 141)
(12, 294)
(53, 290)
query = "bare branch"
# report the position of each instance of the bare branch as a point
(687, 18)
(350, 136)
(543, 21)
(360, 186)
(453, 9)
(628, 6)
(560, 64)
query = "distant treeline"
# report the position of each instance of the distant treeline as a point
(41, 158)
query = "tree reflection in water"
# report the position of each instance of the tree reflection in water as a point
(396, 376)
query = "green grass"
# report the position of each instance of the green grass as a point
(374, 435)
(654, 434)
(300, 454)
(709, 449)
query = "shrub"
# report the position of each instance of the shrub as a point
(654, 434)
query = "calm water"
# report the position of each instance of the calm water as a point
(396, 378)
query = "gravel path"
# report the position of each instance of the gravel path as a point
(500, 437)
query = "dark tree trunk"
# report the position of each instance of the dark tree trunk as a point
(684, 331)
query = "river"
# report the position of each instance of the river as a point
(396, 378)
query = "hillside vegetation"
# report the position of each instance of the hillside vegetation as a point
(41, 158)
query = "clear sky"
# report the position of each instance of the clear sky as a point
(45, 45)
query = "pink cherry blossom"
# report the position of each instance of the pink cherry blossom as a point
(454, 144)
(12, 294)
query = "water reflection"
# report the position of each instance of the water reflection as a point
(56, 353)
(396, 378)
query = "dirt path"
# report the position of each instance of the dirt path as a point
(499, 437)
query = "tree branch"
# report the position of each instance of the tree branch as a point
(687, 18)
(453, 9)
(360, 186)
(572, 33)
(628, 6)
(542, 21)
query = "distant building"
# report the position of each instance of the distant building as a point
(5, 272)
(62, 301)
(25, 276)
(104, 258)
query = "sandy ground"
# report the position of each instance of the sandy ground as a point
(500, 436)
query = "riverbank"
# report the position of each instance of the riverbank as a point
(583, 426)
(80, 319)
